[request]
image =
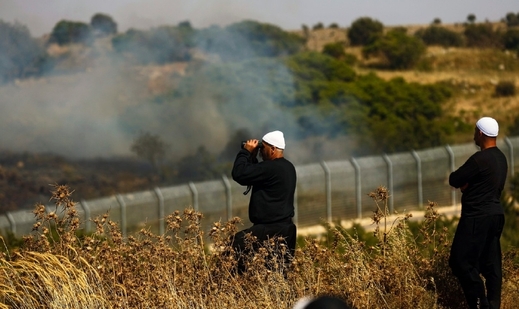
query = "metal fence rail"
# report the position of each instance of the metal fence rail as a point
(331, 190)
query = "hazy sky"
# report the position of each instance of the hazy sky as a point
(41, 15)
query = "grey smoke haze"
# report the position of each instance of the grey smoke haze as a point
(74, 115)
(41, 16)
(99, 112)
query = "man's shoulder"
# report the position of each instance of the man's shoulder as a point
(282, 161)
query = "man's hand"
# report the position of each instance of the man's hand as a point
(252, 146)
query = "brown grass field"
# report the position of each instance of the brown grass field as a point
(185, 268)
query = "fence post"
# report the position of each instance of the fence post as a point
(511, 148)
(160, 198)
(358, 188)
(419, 178)
(328, 189)
(86, 209)
(452, 167)
(390, 182)
(12, 222)
(123, 214)
(228, 196)
(296, 218)
(194, 195)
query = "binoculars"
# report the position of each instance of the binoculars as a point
(260, 144)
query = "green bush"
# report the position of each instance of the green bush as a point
(511, 39)
(103, 25)
(318, 26)
(436, 35)
(364, 31)
(67, 32)
(335, 50)
(350, 59)
(505, 89)
(399, 116)
(512, 20)
(399, 50)
(482, 36)
(313, 66)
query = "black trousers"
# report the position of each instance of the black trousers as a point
(286, 229)
(476, 250)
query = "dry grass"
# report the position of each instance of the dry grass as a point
(184, 269)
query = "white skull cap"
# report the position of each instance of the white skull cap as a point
(275, 138)
(488, 126)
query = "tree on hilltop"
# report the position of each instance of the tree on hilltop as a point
(399, 49)
(364, 31)
(103, 25)
(67, 32)
(511, 19)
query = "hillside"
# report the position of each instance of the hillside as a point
(112, 89)
(474, 71)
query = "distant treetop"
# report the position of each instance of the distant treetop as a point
(103, 25)
(364, 31)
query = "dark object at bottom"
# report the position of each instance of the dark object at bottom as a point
(327, 302)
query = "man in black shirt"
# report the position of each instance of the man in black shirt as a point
(476, 249)
(273, 182)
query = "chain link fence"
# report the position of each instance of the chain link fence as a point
(328, 190)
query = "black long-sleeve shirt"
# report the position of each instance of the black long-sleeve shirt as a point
(273, 187)
(485, 173)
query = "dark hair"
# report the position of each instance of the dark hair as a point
(327, 302)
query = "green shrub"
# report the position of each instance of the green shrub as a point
(511, 39)
(103, 24)
(399, 116)
(399, 50)
(318, 26)
(350, 59)
(512, 20)
(482, 36)
(364, 31)
(435, 35)
(335, 50)
(312, 66)
(67, 32)
(505, 89)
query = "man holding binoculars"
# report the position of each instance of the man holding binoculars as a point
(273, 182)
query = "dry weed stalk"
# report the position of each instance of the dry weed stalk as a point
(181, 269)
(36, 280)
